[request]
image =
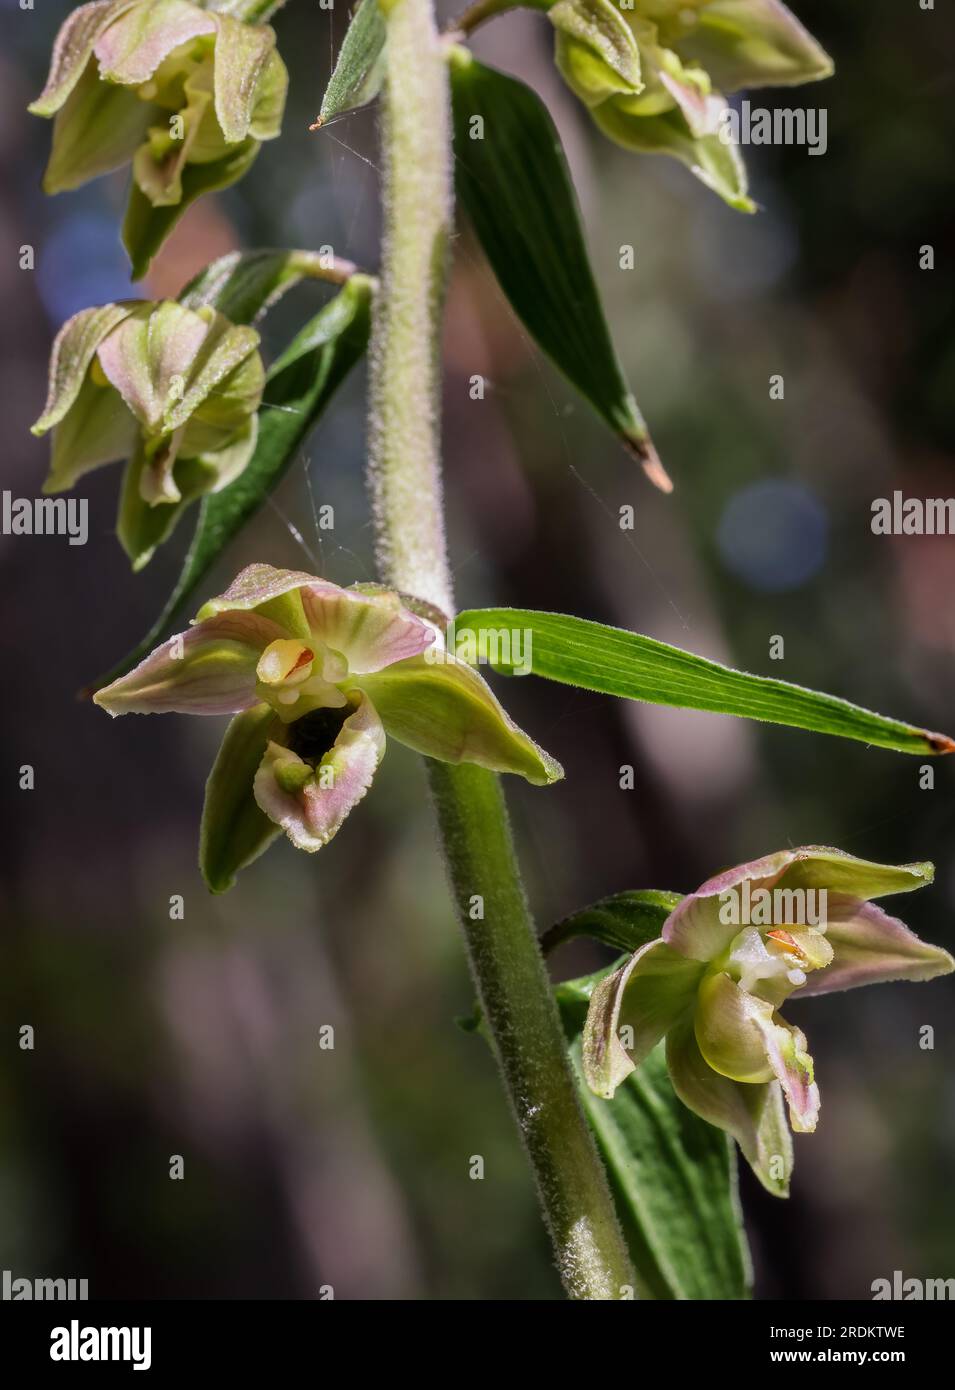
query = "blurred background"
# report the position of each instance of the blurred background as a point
(199, 1037)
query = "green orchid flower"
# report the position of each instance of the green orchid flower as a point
(316, 678)
(793, 924)
(185, 94)
(172, 390)
(654, 73)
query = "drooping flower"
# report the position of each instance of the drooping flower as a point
(796, 923)
(317, 677)
(654, 73)
(185, 93)
(173, 390)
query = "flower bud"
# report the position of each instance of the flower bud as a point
(653, 73)
(172, 390)
(185, 94)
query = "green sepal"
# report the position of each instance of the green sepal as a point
(145, 227)
(234, 832)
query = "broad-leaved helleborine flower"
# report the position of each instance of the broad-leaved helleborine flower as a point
(793, 924)
(184, 93)
(173, 390)
(654, 73)
(316, 677)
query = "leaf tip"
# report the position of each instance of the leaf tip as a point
(643, 449)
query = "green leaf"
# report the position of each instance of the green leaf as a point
(513, 180)
(673, 1176)
(245, 284)
(624, 922)
(234, 830)
(612, 661)
(298, 388)
(360, 69)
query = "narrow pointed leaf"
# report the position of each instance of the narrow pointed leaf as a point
(514, 182)
(672, 1175)
(612, 661)
(624, 922)
(298, 388)
(360, 69)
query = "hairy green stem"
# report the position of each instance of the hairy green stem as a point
(404, 433)
(405, 482)
(517, 1004)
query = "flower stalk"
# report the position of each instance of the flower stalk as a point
(405, 484)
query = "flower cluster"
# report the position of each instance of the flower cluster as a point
(316, 677)
(654, 72)
(183, 92)
(173, 390)
(713, 984)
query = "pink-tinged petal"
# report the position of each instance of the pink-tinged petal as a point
(130, 50)
(701, 111)
(208, 670)
(310, 803)
(694, 927)
(371, 631)
(752, 1113)
(792, 1066)
(73, 49)
(632, 1009)
(869, 948)
(148, 356)
(753, 43)
(242, 56)
(443, 708)
(74, 348)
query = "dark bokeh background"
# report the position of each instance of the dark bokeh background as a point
(199, 1037)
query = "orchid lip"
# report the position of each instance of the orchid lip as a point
(314, 735)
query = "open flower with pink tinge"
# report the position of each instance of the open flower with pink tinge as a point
(316, 677)
(796, 923)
